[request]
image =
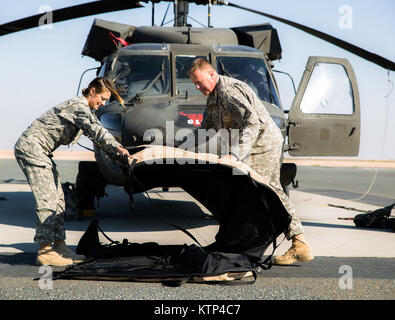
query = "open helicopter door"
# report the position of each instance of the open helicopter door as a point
(324, 119)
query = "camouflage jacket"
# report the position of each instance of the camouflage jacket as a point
(234, 105)
(62, 125)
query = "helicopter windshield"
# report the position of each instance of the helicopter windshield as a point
(138, 75)
(184, 83)
(252, 71)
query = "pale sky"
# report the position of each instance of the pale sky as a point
(41, 68)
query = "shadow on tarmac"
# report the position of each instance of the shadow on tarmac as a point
(114, 213)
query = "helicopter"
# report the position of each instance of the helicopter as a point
(149, 67)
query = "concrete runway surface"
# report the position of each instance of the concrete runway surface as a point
(350, 263)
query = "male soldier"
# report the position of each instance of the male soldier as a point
(61, 125)
(232, 104)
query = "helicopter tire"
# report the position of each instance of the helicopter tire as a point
(90, 184)
(286, 190)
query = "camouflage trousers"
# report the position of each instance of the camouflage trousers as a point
(268, 165)
(45, 184)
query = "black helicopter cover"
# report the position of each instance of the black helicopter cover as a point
(99, 43)
(263, 37)
(249, 212)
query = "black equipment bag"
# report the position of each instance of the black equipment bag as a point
(379, 218)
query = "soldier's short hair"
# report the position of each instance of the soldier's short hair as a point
(199, 64)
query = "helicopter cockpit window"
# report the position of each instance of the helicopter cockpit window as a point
(252, 71)
(137, 76)
(184, 84)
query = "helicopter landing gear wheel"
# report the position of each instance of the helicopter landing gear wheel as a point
(90, 184)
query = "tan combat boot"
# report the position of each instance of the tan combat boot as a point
(61, 248)
(47, 256)
(299, 252)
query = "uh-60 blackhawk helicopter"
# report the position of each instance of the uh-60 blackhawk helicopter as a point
(149, 67)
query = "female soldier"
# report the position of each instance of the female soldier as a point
(61, 125)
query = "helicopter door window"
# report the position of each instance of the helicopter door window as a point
(137, 75)
(252, 71)
(184, 84)
(328, 91)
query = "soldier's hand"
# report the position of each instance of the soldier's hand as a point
(122, 152)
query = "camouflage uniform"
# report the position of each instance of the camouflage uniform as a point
(61, 125)
(234, 105)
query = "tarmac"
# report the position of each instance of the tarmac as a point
(335, 243)
(154, 211)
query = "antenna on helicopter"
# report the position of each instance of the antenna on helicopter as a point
(209, 14)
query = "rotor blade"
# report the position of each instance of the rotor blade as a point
(69, 13)
(372, 57)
